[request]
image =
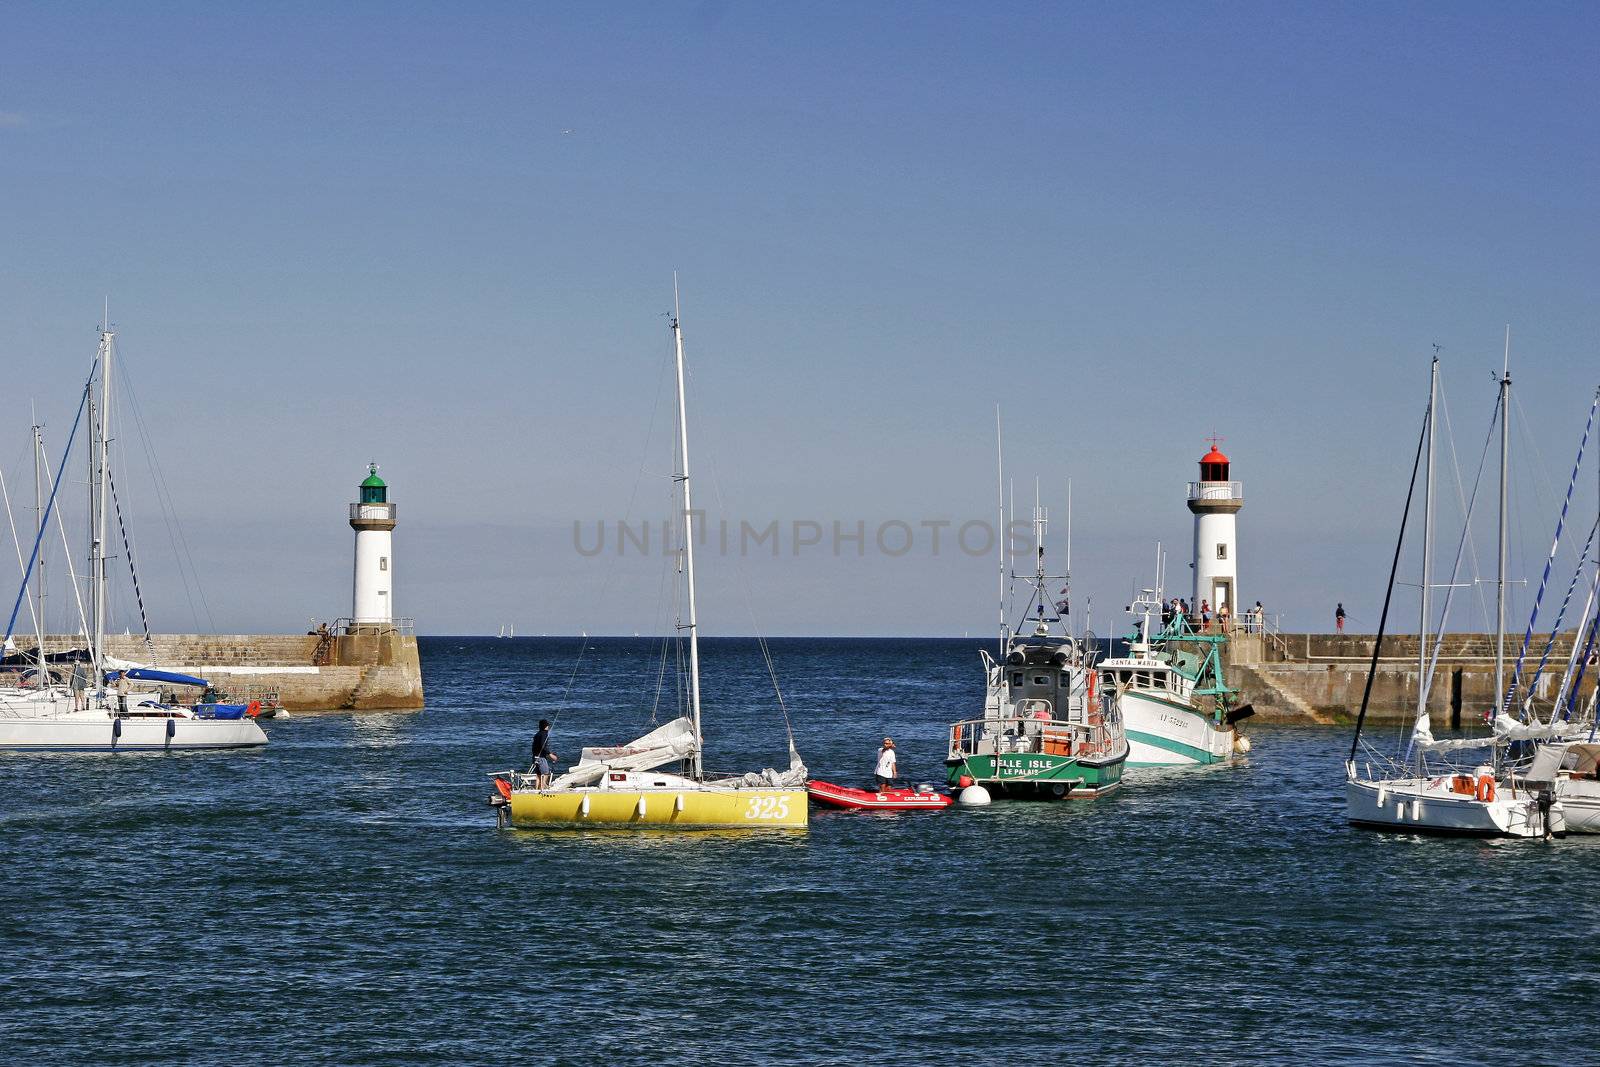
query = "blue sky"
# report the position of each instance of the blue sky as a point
(443, 237)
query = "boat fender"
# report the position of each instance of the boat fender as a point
(172, 728)
(583, 808)
(974, 796)
(964, 781)
(116, 731)
(1383, 795)
(1241, 744)
(641, 806)
(677, 805)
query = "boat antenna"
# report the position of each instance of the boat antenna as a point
(1388, 596)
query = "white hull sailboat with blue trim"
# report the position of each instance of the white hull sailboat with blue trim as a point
(47, 715)
(1511, 788)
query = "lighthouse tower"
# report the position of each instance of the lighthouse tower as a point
(372, 518)
(1215, 501)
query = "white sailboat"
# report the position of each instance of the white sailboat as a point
(622, 787)
(51, 716)
(1423, 791)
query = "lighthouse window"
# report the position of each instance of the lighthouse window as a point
(383, 563)
(1222, 551)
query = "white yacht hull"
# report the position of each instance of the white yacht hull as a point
(1580, 804)
(99, 732)
(1422, 805)
(1163, 734)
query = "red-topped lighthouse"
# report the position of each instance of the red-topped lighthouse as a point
(1215, 500)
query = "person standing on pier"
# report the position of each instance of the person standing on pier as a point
(1338, 617)
(543, 757)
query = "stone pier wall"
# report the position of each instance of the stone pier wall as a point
(1321, 677)
(308, 672)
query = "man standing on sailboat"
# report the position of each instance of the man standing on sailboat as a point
(543, 757)
(80, 687)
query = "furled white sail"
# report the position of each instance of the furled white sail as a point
(793, 778)
(665, 744)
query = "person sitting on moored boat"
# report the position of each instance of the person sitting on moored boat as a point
(543, 757)
(887, 771)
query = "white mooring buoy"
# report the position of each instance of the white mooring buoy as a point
(974, 796)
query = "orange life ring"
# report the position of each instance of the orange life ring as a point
(1485, 790)
(253, 709)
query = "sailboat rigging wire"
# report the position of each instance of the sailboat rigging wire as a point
(1466, 505)
(610, 572)
(23, 590)
(1573, 661)
(1561, 617)
(32, 614)
(164, 498)
(1583, 666)
(66, 551)
(1455, 570)
(133, 572)
(1527, 638)
(1388, 595)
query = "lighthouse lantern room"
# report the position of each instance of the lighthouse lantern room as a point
(1215, 500)
(372, 518)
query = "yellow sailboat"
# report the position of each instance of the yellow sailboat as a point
(622, 787)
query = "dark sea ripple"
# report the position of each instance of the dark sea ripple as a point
(344, 898)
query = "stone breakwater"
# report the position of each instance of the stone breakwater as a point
(309, 672)
(1319, 678)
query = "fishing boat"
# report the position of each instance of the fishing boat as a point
(47, 715)
(923, 798)
(1176, 706)
(625, 787)
(1045, 732)
(1425, 789)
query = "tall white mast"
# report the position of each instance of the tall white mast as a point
(1000, 486)
(1427, 546)
(1500, 571)
(38, 541)
(102, 455)
(688, 535)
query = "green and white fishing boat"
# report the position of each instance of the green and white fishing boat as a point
(1046, 732)
(1171, 692)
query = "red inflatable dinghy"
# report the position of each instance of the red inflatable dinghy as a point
(842, 796)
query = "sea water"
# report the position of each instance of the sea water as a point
(344, 897)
